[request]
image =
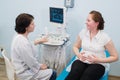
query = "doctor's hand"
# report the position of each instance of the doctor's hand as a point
(43, 66)
(44, 39)
(41, 40)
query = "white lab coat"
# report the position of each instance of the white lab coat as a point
(24, 60)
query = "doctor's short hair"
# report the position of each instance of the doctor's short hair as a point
(22, 22)
(97, 17)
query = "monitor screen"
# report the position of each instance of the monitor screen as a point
(57, 15)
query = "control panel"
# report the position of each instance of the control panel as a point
(55, 39)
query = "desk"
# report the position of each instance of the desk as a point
(54, 55)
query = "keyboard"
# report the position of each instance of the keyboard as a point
(54, 39)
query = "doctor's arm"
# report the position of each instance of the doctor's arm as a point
(40, 40)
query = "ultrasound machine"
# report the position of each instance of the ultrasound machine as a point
(57, 16)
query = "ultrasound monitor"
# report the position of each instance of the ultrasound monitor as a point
(57, 15)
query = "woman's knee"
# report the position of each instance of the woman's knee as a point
(54, 75)
(77, 64)
(93, 72)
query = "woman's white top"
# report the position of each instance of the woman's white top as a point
(95, 46)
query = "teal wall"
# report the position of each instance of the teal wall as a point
(75, 20)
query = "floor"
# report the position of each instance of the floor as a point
(2, 70)
(4, 77)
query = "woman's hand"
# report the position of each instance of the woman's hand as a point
(81, 56)
(93, 59)
(90, 58)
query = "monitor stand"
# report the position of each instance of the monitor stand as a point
(61, 29)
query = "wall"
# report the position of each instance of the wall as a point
(76, 18)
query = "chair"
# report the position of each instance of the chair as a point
(66, 70)
(9, 67)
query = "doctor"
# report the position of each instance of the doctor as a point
(23, 53)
